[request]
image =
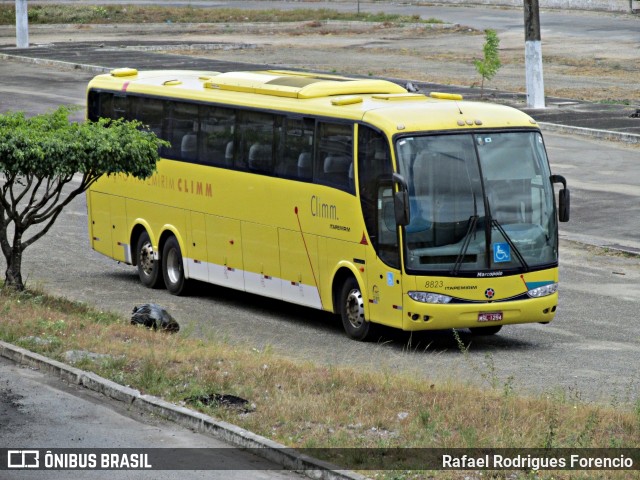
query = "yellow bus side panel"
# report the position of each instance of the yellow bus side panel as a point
(299, 267)
(196, 257)
(224, 251)
(109, 233)
(100, 223)
(120, 232)
(261, 258)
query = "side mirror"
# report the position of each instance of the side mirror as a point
(564, 198)
(401, 201)
(564, 207)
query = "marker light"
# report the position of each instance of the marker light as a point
(543, 291)
(428, 297)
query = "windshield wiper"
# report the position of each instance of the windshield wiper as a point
(473, 220)
(519, 256)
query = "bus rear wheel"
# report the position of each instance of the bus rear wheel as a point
(148, 267)
(173, 267)
(486, 330)
(352, 311)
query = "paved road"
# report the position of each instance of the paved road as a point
(40, 411)
(568, 35)
(591, 348)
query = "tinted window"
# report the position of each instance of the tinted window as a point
(254, 141)
(180, 128)
(217, 127)
(334, 156)
(295, 158)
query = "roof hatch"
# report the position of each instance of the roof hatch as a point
(296, 85)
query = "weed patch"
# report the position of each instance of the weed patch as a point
(305, 405)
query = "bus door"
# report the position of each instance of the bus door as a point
(384, 279)
(383, 261)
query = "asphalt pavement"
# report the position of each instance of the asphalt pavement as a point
(617, 122)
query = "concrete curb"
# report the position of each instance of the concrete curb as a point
(591, 132)
(55, 63)
(268, 449)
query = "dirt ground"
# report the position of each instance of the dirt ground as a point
(443, 55)
(603, 71)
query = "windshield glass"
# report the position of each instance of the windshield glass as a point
(478, 202)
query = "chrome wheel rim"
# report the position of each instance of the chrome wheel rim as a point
(174, 267)
(146, 261)
(355, 308)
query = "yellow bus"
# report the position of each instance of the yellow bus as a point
(354, 196)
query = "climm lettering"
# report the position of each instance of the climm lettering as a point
(183, 185)
(190, 186)
(323, 210)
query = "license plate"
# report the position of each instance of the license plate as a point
(490, 317)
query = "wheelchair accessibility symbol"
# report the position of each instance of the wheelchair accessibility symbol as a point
(501, 252)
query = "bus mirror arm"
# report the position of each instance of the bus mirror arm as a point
(564, 198)
(401, 201)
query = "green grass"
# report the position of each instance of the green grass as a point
(86, 14)
(305, 405)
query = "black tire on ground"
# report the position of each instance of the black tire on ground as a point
(149, 269)
(173, 267)
(351, 308)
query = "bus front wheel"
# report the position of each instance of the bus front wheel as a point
(173, 267)
(352, 311)
(148, 266)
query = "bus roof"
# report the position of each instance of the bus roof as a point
(382, 103)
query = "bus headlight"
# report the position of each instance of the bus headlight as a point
(428, 297)
(543, 291)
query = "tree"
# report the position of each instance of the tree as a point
(490, 64)
(39, 159)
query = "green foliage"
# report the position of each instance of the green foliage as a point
(489, 65)
(49, 146)
(39, 157)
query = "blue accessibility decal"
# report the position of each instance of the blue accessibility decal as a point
(501, 252)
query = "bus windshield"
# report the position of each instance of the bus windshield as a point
(479, 202)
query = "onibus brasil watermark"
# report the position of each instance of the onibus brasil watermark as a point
(232, 458)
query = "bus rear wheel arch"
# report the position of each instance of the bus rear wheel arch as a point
(350, 306)
(173, 267)
(148, 263)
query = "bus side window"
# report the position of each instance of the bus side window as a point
(255, 142)
(95, 101)
(181, 122)
(334, 156)
(120, 104)
(296, 159)
(149, 111)
(217, 127)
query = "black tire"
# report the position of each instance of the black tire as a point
(492, 330)
(351, 308)
(173, 267)
(149, 269)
